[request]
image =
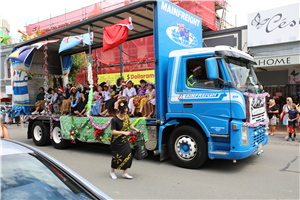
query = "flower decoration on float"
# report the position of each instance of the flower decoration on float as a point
(91, 82)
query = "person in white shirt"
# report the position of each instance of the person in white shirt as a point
(107, 93)
(129, 93)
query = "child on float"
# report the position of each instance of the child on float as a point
(129, 93)
(107, 93)
(140, 99)
(153, 102)
(57, 103)
(98, 101)
(150, 94)
(293, 116)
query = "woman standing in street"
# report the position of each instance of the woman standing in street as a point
(120, 148)
(272, 112)
(286, 109)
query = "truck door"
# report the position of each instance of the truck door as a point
(209, 100)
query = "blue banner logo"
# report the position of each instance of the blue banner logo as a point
(182, 36)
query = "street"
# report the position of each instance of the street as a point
(272, 175)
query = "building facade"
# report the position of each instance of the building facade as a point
(5, 77)
(274, 41)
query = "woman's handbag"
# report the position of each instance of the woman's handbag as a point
(140, 150)
(282, 113)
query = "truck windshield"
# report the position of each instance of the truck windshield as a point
(242, 72)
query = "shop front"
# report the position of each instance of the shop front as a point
(274, 41)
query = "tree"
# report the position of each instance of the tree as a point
(79, 60)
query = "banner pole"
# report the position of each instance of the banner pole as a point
(90, 47)
(121, 63)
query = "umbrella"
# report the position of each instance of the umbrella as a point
(4, 38)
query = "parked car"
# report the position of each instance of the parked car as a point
(28, 173)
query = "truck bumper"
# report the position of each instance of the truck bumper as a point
(237, 155)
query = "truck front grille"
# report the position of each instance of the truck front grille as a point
(259, 138)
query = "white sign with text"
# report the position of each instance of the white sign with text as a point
(282, 60)
(257, 109)
(278, 25)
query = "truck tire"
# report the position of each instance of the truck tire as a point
(187, 147)
(40, 133)
(57, 141)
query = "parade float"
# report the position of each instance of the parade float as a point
(223, 120)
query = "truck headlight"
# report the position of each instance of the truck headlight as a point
(245, 138)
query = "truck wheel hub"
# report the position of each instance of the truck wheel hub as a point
(37, 132)
(185, 147)
(56, 135)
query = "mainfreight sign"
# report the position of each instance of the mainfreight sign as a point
(203, 96)
(168, 7)
(134, 76)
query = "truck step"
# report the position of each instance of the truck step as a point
(219, 135)
(219, 152)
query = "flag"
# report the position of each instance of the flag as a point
(186, 34)
(116, 34)
(68, 43)
(88, 38)
(40, 44)
(181, 29)
(72, 41)
(4, 38)
(23, 54)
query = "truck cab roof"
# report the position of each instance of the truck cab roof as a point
(219, 50)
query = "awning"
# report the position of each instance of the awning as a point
(141, 13)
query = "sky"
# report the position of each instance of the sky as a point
(21, 12)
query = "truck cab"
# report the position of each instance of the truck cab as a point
(211, 112)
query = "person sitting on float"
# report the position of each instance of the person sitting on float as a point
(140, 99)
(129, 93)
(68, 90)
(41, 102)
(40, 98)
(52, 100)
(57, 103)
(118, 87)
(116, 106)
(84, 100)
(98, 100)
(107, 93)
(110, 104)
(150, 94)
(75, 99)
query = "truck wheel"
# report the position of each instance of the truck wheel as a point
(40, 133)
(187, 147)
(57, 141)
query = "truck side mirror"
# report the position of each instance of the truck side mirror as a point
(212, 71)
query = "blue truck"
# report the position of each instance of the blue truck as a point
(209, 102)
